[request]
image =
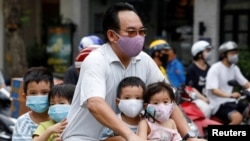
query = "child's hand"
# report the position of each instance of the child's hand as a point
(58, 127)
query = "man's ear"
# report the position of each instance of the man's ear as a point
(24, 95)
(111, 36)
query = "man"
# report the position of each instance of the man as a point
(155, 50)
(197, 71)
(174, 67)
(220, 94)
(93, 105)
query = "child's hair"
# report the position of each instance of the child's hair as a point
(63, 90)
(130, 81)
(37, 74)
(157, 87)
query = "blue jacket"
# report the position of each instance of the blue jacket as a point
(176, 73)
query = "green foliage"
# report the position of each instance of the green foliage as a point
(244, 62)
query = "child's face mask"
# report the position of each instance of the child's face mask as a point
(37, 103)
(131, 107)
(58, 112)
(160, 112)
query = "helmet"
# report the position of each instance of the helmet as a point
(158, 45)
(89, 40)
(200, 46)
(83, 54)
(227, 46)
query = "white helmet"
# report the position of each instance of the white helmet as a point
(227, 46)
(200, 46)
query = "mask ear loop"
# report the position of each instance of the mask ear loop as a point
(150, 117)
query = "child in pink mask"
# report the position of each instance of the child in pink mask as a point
(159, 105)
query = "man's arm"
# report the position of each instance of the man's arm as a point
(180, 121)
(181, 124)
(115, 138)
(105, 115)
(220, 93)
(247, 85)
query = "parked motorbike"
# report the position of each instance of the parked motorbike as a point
(6, 122)
(186, 97)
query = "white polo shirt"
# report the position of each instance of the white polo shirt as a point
(217, 78)
(100, 74)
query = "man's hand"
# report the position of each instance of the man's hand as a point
(235, 95)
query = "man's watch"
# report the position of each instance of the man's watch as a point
(190, 134)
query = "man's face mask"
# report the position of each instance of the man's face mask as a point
(233, 59)
(164, 59)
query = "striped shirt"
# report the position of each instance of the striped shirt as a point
(107, 132)
(24, 128)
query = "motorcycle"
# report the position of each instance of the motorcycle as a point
(243, 100)
(186, 97)
(7, 123)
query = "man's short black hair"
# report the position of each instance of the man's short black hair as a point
(111, 20)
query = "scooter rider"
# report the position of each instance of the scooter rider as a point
(221, 96)
(156, 51)
(196, 74)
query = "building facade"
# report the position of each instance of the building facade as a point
(180, 22)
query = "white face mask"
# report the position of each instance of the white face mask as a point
(233, 59)
(208, 56)
(130, 107)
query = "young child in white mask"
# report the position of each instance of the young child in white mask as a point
(60, 98)
(129, 100)
(159, 104)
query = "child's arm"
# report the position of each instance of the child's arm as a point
(142, 130)
(56, 128)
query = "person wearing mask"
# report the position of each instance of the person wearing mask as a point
(94, 104)
(155, 50)
(130, 93)
(37, 83)
(221, 95)
(71, 75)
(59, 99)
(196, 74)
(174, 67)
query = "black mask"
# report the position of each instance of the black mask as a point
(164, 59)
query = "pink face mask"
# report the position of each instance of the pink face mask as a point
(160, 112)
(131, 46)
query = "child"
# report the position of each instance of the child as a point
(129, 100)
(60, 98)
(159, 102)
(37, 82)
